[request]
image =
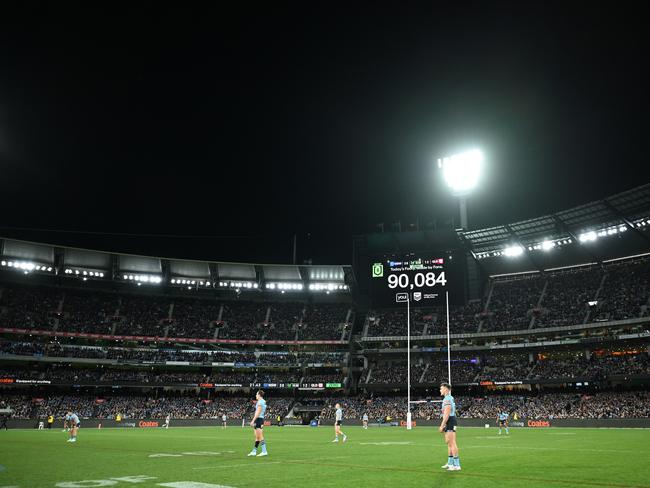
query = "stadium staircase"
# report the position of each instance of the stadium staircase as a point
(475, 379)
(533, 319)
(421, 380)
(595, 298)
(366, 326)
(487, 305)
(532, 370)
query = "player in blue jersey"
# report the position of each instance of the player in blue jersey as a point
(502, 420)
(448, 428)
(73, 422)
(258, 424)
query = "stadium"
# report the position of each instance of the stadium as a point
(556, 339)
(344, 246)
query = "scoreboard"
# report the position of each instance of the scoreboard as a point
(421, 278)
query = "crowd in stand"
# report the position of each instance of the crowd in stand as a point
(324, 378)
(561, 405)
(166, 316)
(624, 293)
(602, 405)
(65, 374)
(135, 407)
(195, 318)
(55, 349)
(553, 299)
(88, 312)
(463, 371)
(511, 304)
(326, 321)
(567, 295)
(29, 308)
(564, 367)
(543, 406)
(504, 368)
(395, 373)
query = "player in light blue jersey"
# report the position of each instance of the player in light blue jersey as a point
(448, 428)
(258, 424)
(502, 420)
(338, 421)
(73, 422)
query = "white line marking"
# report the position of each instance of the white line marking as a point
(548, 448)
(385, 443)
(237, 465)
(192, 484)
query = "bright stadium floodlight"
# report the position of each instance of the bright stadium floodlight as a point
(513, 251)
(588, 237)
(548, 245)
(462, 171)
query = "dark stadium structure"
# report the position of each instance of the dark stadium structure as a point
(554, 323)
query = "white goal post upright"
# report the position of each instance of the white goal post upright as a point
(448, 341)
(408, 364)
(409, 424)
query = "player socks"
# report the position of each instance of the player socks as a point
(456, 460)
(450, 461)
(263, 444)
(507, 432)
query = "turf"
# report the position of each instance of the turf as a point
(305, 457)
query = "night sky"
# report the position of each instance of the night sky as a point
(229, 131)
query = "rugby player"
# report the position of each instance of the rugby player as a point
(258, 424)
(448, 427)
(73, 423)
(502, 419)
(337, 424)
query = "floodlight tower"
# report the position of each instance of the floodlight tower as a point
(462, 172)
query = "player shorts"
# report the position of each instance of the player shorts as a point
(77, 425)
(451, 425)
(259, 423)
(339, 423)
(503, 422)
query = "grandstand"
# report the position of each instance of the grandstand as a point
(193, 339)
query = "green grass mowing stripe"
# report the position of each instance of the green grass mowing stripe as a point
(464, 474)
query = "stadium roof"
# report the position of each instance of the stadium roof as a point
(29, 257)
(624, 213)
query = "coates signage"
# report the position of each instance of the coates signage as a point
(7, 380)
(148, 423)
(402, 423)
(538, 423)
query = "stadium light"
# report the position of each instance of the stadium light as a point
(513, 251)
(548, 245)
(588, 236)
(462, 171)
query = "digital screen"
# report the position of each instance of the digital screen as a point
(422, 279)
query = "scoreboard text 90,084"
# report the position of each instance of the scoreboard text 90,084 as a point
(418, 278)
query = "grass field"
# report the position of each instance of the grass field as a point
(305, 457)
